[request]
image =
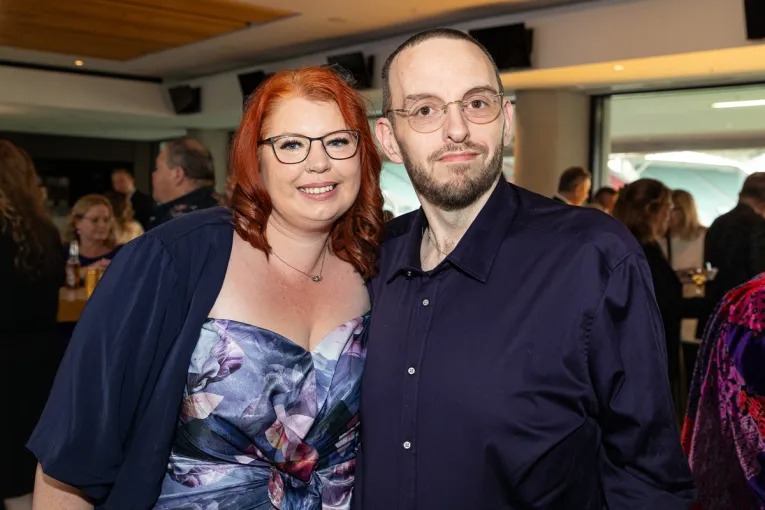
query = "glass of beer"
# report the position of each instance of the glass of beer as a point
(92, 275)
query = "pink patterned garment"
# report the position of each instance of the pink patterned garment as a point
(724, 429)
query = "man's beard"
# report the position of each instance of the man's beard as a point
(454, 196)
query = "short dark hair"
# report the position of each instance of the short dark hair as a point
(122, 170)
(121, 207)
(754, 187)
(605, 191)
(572, 177)
(435, 33)
(191, 155)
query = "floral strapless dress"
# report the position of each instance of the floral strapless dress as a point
(265, 423)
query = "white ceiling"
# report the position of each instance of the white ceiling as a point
(320, 25)
(685, 119)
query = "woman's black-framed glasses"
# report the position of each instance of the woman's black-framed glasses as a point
(292, 149)
(428, 114)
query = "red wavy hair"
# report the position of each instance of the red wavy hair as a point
(355, 237)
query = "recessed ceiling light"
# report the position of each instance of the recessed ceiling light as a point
(79, 63)
(739, 104)
(618, 67)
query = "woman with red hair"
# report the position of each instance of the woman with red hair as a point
(228, 374)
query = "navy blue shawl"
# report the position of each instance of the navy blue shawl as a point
(109, 422)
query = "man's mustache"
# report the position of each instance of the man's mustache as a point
(457, 148)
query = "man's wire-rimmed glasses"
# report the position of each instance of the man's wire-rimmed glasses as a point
(291, 149)
(427, 114)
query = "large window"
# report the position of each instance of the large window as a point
(713, 180)
(705, 141)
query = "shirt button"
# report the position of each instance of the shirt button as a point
(409, 274)
(425, 302)
(411, 371)
(407, 445)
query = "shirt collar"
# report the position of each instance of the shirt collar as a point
(191, 196)
(476, 251)
(563, 199)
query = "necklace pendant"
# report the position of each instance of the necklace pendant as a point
(316, 278)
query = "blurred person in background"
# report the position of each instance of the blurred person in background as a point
(32, 270)
(229, 188)
(126, 228)
(91, 223)
(735, 241)
(183, 180)
(218, 363)
(645, 207)
(604, 199)
(683, 245)
(724, 427)
(143, 205)
(574, 186)
(684, 242)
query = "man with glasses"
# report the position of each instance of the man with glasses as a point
(515, 352)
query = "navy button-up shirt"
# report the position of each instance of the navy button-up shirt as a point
(526, 371)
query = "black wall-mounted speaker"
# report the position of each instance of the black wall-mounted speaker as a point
(186, 99)
(509, 45)
(755, 19)
(357, 65)
(248, 82)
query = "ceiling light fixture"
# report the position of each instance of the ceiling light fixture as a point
(739, 104)
(79, 63)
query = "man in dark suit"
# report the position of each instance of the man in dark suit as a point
(735, 242)
(574, 186)
(143, 205)
(183, 180)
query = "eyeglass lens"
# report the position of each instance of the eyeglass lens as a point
(430, 113)
(295, 148)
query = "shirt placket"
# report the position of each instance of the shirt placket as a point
(425, 288)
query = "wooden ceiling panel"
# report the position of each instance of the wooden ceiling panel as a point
(78, 44)
(222, 9)
(173, 32)
(98, 16)
(122, 29)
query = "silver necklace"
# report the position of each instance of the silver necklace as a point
(314, 277)
(430, 238)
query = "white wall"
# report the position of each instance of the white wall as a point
(24, 87)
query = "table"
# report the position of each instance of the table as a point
(70, 304)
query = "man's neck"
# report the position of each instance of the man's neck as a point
(567, 197)
(448, 227)
(182, 191)
(754, 204)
